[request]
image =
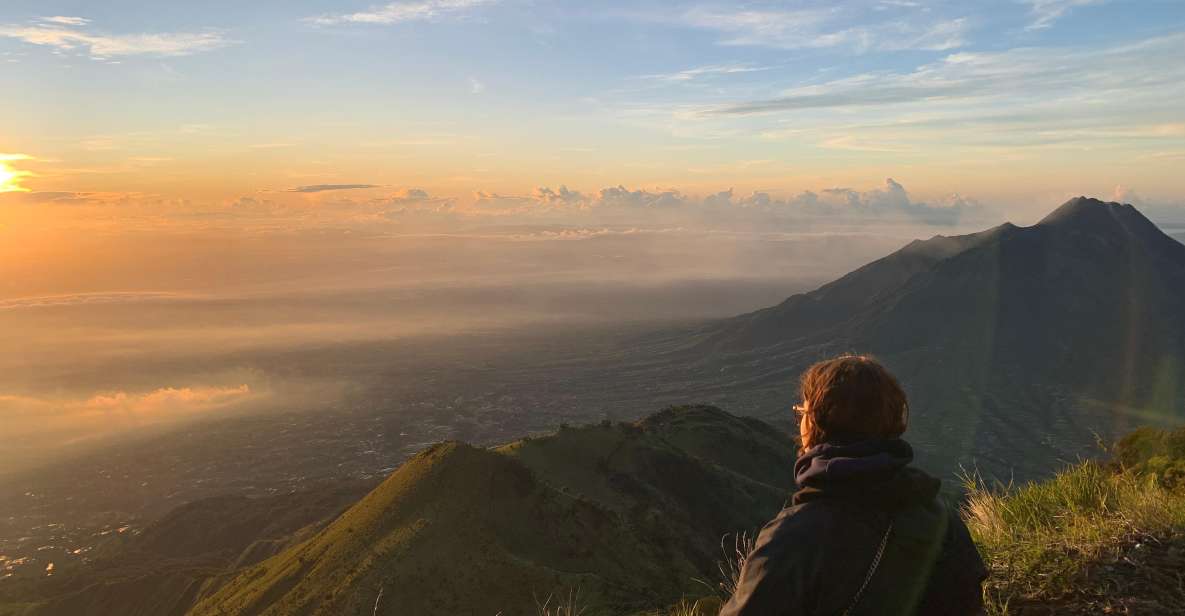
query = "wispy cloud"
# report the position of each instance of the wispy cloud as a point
(67, 34)
(315, 188)
(700, 72)
(1026, 72)
(1046, 12)
(89, 299)
(404, 11)
(827, 28)
(66, 21)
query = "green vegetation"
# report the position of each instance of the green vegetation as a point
(652, 518)
(1096, 538)
(630, 514)
(1158, 453)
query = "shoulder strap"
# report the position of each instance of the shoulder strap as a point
(876, 561)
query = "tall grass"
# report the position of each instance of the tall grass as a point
(571, 604)
(1054, 540)
(687, 608)
(734, 560)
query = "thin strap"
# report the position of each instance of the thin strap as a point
(880, 551)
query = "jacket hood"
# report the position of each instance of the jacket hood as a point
(871, 472)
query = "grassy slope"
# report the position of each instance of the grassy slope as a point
(613, 510)
(1096, 538)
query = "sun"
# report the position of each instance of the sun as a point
(10, 178)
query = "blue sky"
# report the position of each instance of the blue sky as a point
(1011, 101)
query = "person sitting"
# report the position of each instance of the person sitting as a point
(866, 533)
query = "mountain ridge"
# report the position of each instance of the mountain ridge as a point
(623, 512)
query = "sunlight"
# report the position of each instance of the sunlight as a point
(10, 178)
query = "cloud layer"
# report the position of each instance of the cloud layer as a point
(621, 205)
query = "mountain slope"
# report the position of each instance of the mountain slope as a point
(629, 514)
(1017, 345)
(166, 568)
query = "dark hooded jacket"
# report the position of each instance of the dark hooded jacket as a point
(815, 556)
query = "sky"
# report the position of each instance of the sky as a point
(187, 185)
(270, 113)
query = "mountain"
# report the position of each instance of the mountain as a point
(1018, 346)
(627, 515)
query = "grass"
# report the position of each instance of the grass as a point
(570, 604)
(1092, 539)
(735, 556)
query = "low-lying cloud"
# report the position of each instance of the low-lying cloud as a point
(176, 400)
(46, 423)
(621, 205)
(417, 210)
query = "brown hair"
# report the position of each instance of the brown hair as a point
(851, 396)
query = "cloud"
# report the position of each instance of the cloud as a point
(412, 194)
(561, 197)
(889, 201)
(827, 28)
(1025, 72)
(51, 197)
(1046, 12)
(87, 299)
(66, 34)
(44, 423)
(167, 400)
(1170, 211)
(66, 21)
(315, 188)
(400, 12)
(476, 87)
(701, 72)
(414, 198)
(414, 210)
(618, 205)
(621, 197)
